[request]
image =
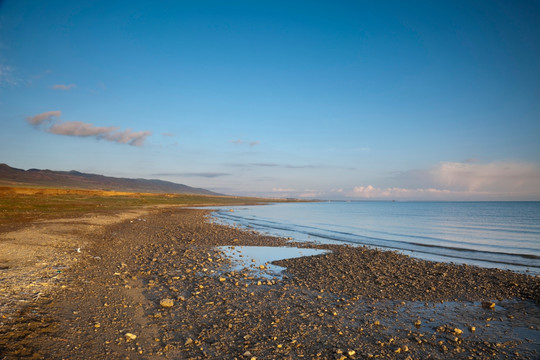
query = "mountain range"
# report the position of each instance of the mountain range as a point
(10, 176)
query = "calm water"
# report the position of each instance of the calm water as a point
(505, 235)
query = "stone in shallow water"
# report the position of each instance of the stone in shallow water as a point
(488, 305)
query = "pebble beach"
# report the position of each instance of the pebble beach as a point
(160, 286)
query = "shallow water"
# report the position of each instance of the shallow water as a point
(505, 235)
(253, 257)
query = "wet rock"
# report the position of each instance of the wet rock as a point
(488, 305)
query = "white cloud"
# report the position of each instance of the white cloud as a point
(78, 128)
(310, 195)
(504, 177)
(135, 138)
(82, 129)
(44, 117)
(281, 190)
(502, 180)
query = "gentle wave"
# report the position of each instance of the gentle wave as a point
(368, 240)
(500, 246)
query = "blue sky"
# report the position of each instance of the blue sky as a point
(433, 100)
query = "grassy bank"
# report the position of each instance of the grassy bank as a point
(22, 205)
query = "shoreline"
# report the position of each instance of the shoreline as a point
(347, 304)
(472, 240)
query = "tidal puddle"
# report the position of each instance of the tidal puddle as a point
(259, 258)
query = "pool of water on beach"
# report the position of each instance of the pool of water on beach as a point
(258, 259)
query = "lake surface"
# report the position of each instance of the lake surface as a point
(505, 235)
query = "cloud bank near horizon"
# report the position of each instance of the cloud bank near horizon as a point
(499, 180)
(464, 180)
(52, 124)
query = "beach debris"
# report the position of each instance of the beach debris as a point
(130, 336)
(189, 341)
(488, 305)
(166, 303)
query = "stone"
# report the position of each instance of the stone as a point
(167, 303)
(130, 336)
(488, 305)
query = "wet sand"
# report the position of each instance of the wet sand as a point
(157, 287)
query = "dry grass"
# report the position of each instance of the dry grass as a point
(19, 205)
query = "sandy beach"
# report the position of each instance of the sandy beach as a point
(152, 284)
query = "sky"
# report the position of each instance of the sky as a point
(362, 100)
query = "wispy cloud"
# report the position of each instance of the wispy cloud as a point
(195, 174)
(7, 75)
(82, 129)
(48, 116)
(282, 190)
(371, 192)
(286, 166)
(271, 165)
(242, 142)
(110, 133)
(168, 134)
(63, 87)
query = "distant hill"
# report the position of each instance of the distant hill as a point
(76, 180)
